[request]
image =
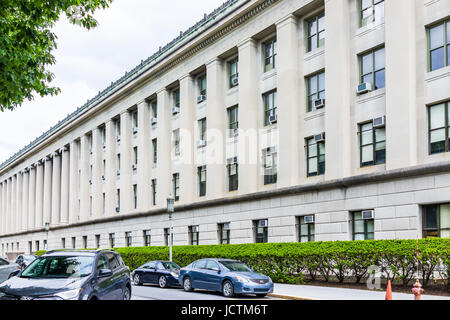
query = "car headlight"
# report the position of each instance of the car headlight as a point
(270, 279)
(69, 295)
(242, 279)
(174, 274)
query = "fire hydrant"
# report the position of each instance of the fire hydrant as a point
(417, 290)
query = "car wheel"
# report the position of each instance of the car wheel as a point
(137, 280)
(228, 289)
(126, 294)
(187, 284)
(261, 295)
(162, 281)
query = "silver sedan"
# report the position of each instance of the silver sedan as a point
(7, 269)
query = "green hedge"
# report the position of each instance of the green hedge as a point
(297, 262)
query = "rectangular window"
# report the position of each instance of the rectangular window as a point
(234, 74)
(270, 107)
(193, 235)
(84, 242)
(370, 11)
(315, 154)
(176, 98)
(270, 53)
(202, 85)
(270, 165)
(147, 238)
(154, 107)
(201, 172)
(439, 45)
(128, 239)
(117, 126)
(176, 186)
(103, 135)
(233, 177)
(135, 156)
(74, 242)
(363, 229)
(202, 129)
(316, 89)
(112, 240)
(134, 119)
(439, 128)
(118, 200)
(135, 199)
(63, 243)
(436, 221)
(104, 169)
(176, 142)
(316, 32)
(261, 231)
(372, 68)
(372, 145)
(118, 164)
(155, 150)
(154, 192)
(97, 241)
(103, 203)
(233, 120)
(306, 229)
(90, 205)
(224, 233)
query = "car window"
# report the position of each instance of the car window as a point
(3, 262)
(159, 266)
(212, 265)
(200, 264)
(151, 265)
(119, 258)
(113, 262)
(102, 263)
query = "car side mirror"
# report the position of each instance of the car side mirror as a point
(104, 273)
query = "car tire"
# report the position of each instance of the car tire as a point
(137, 280)
(162, 282)
(187, 284)
(261, 295)
(126, 294)
(228, 289)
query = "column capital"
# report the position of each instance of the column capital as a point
(47, 158)
(63, 149)
(186, 77)
(37, 163)
(162, 90)
(247, 42)
(291, 18)
(213, 61)
(55, 154)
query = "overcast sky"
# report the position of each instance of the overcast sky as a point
(87, 61)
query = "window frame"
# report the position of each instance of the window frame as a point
(176, 97)
(264, 236)
(446, 128)
(272, 55)
(194, 234)
(154, 184)
(202, 85)
(147, 238)
(438, 220)
(233, 112)
(310, 234)
(373, 144)
(176, 142)
(272, 178)
(231, 74)
(176, 185)
(269, 110)
(318, 155)
(317, 94)
(201, 184)
(445, 46)
(365, 232)
(373, 70)
(155, 151)
(360, 10)
(233, 180)
(202, 128)
(315, 19)
(224, 240)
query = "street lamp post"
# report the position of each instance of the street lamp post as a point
(47, 228)
(170, 210)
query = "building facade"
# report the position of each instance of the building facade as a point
(267, 121)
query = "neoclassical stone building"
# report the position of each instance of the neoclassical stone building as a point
(268, 121)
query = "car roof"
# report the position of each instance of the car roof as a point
(219, 259)
(84, 253)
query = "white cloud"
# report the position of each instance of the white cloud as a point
(88, 61)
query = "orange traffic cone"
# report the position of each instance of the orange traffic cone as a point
(388, 291)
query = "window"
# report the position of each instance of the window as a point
(316, 89)
(233, 123)
(134, 119)
(370, 11)
(316, 32)
(234, 74)
(97, 241)
(176, 186)
(315, 154)
(193, 235)
(103, 135)
(224, 233)
(176, 142)
(74, 242)
(372, 68)
(305, 230)
(135, 157)
(201, 172)
(270, 52)
(270, 165)
(147, 238)
(372, 145)
(117, 126)
(436, 221)
(63, 243)
(128, 239)
(439, 128)
(154, 108)
(90, 205)
(30, 247)
(167, 236)
(104, 169)
(155, 150)
(202, 129)
(135, 195)
(270, 107)
(103, 203)
(84, 242)
(363, 229)
(112, 240)
(154, 192)
(176, 97)
(261, 231)
(118, 164)
(202, 85)
(233, 176)
(439, 46)
(118, 200)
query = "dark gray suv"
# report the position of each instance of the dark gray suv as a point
(71, 275)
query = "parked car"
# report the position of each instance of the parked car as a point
(8, 269)
(229, 277)
(23, 260)
(71, 275)
(163, 273)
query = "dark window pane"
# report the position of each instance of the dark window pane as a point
(437, 147)
(431, 217)
(380, 79)
(380, 156)
(437, 59)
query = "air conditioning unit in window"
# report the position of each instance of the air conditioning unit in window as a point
(135, 130)
(379, 122)
(233, 160)
(263, 223)
(201, 98)
(309, 219)
(368, 214)
(235, 81)
(118, 172)
(201, 143)
(175, 110)
(273, 118)
(154, 121)
(117, 138)
(234, 132)
(319, 137)
(134, 167)
(117, 209)
(364, 88)
(319, 103)
(90, 181)
(103, 178)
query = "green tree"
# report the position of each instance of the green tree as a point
(27, 42)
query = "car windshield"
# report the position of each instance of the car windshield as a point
(235, 266)
(171, 266)
(59, 267)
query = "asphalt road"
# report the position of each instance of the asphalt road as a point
(153, 292)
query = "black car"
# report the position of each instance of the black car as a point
(71, 275)
(163, 273)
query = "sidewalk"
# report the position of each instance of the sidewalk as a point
(301, 292)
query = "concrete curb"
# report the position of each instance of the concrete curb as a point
(282, 296)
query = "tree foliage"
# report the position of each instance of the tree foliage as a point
(27, 42)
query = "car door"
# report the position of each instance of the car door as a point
(149, 273)
(103, 286)
(197, 274)
(117, 276)
(4, 270)
(213, 279)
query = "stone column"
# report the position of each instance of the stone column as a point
(97, 153)
(8, 205)
(25, 189)
(74, 184)
(32, 197)
(163, 170)
(13, 203)
(401, 82)
(2, 225)
(216, 123)
(288, 100)
(144, 157)
(47, 190)
(84, 178)
(56, 190)
(65, 185)
(338, 90)
(125, 168)
(187, 140)
(111, 175)
(249, 102)
(19, 204)
(39, 215)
